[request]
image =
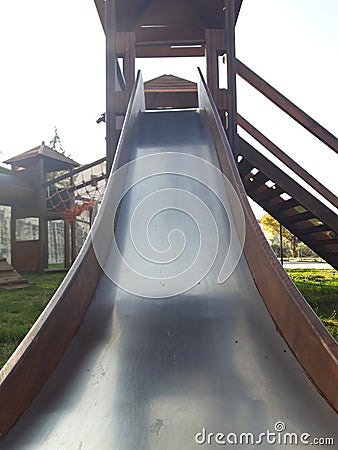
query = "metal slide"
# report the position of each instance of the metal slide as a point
(188, 349)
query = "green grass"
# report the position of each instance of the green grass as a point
(20, 308)
(320, 288)
(56, 266)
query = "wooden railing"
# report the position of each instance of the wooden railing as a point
(298, 115)
(287, 106)
(75, 171)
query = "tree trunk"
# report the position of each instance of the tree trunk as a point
(293, 245)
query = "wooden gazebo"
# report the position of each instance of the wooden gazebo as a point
(31, 168)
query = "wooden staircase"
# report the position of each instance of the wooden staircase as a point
(9, 277)
(291, 204)
(310, 216)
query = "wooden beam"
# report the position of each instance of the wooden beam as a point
(215, 45)
(100, 6)
(230, 21)
(125, 47)
(238, 5)
(193, 6)
(212, 62)
(139, 13)
(287, 106)
(167, 51)
(110, 28)
(76, 171)
(171, 42)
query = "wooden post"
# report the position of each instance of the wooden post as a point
(125, 47)
(212, 62)
(215, 46)
(13, 235)
(67, 245)
(72, 225)
(41, 216)
(73, 241)
(230, 21)
(46, 246)
(41, 252)
(281, 243)
(110, 29)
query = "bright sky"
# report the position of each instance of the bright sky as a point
(53, 74)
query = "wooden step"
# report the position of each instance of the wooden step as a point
(325, 242)
(284, 205)
(6, 269)
(306, 215)
(296, 220)
(314, 229)
(10, 278)
(4, 266)
(254, 182)
(245, 167)
(8, 274)
(15, 284)
(267, 194)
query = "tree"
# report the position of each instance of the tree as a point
(271, 228)
(55, 143)
(305, 252)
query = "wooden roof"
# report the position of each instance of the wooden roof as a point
(169, 83)
(169, 91)
(53, 159)
(161, 24)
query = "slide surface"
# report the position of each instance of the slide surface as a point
(165, 371)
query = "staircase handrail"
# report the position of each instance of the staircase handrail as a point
(289, 162)
(287, 106)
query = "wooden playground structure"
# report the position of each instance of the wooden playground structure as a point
(303, 360)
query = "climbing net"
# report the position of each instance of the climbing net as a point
(74, 195)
